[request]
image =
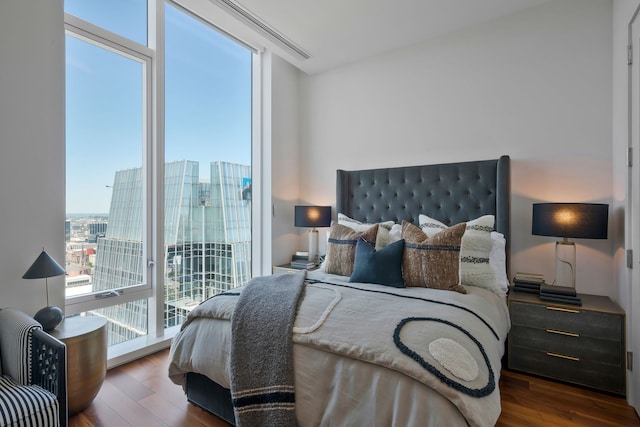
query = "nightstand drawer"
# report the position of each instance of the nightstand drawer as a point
(556, 366)
(572, 320)
(595, 350)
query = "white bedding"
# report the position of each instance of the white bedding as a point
(348, 370)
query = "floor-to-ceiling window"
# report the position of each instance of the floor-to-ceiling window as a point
(159, 141)
(207, 231)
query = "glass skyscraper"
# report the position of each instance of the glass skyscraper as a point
(207, 242)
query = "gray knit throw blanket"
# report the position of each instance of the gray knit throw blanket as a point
(262, 377)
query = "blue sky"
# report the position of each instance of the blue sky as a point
(207, 90)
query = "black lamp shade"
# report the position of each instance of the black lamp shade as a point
(312, 216)
(575, 220)
(44, 266)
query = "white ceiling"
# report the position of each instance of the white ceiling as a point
(337, 32)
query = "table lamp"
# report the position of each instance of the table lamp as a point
(42, 268)
(569, 220)
(313, 216)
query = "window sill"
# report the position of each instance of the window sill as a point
(135, 349)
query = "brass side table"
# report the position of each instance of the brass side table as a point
(86, 340)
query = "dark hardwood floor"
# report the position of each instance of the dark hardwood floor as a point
(532, 401)
(141, 394)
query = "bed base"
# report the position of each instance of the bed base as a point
(211, 396)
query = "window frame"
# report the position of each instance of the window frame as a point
(90, 33)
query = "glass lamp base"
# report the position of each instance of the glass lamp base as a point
(313, 246)
(565, 264)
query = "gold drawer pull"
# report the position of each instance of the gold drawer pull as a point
(562, 356)
(567, 310)
(569, 334)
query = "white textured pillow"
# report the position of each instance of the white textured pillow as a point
(382, 239)
(475, 267)
(498, 260)
(396, 233)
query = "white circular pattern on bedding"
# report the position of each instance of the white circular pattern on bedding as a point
(336, 299)
(454, 358)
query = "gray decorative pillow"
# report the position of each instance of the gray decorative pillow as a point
(341, 247)
(475, 267)
(432, 262)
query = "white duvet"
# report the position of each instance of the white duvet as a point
(348, 368)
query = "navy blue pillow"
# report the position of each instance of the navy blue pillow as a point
(383, 267)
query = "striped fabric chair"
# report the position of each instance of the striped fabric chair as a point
(33, 390)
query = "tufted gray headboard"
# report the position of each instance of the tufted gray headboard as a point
(451, 193)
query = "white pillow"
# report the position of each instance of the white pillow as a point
(475, 251)
(396, 233)
(498, 261)
(382, 239)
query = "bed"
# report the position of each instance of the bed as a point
(340, 383)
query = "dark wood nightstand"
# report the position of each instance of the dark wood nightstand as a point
(583, 345)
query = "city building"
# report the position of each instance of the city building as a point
(96, 231)
(207, 236)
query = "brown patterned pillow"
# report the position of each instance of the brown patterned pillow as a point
(341, 247)
(432, 262)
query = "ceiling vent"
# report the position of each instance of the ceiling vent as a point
(262, 27)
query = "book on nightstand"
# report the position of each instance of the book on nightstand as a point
(560, 299)
(525, 289)
(529, 277)
(301, 265)
(527, 282)
(301, 261)
(560, 294)
(565, 291)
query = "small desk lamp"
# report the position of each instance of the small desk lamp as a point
(313, 216)
(42, 268)
(576, 220)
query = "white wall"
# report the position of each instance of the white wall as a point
(285, 187)
(32, 206)
(535, 85)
